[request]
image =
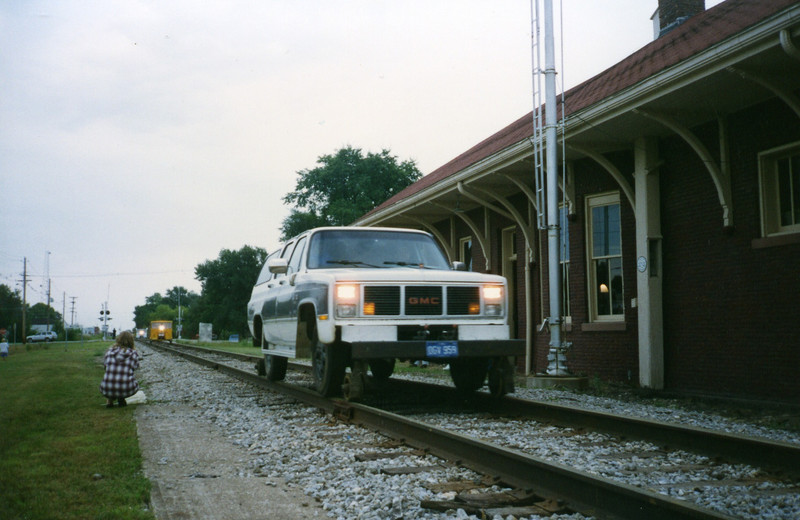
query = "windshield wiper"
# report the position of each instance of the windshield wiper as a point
(352, 262)
(408, 264)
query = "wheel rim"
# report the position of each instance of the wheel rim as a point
(320, 358)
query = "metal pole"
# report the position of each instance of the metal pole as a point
(24, 336)
(555, 364)
(180, 327)
(63, 319)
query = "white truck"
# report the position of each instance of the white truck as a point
(363, 297)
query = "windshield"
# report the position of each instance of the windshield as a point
(382, 249)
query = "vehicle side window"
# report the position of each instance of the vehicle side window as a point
(297, 255)
(265, 275)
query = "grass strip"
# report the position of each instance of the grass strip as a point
(62, 453)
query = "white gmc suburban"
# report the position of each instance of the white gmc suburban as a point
(363, 297)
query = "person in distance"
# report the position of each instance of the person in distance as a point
(120, 361)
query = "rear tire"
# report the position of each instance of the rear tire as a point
(501, 377)
(275, 367)
(468, 373)
(382, 369)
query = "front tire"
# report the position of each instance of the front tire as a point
(328, 365)
(468, 373)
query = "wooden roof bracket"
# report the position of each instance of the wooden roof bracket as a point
(720, 172)
(785, 94)
(527, 229)
(611, 169)
(435, 232)
(479, 235)
(463, 190)
(788, 45)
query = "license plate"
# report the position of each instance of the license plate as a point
(441, 349)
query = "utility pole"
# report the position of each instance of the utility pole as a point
(179, 313)
(546, 182)
(63, 315)
(47, 275)
(553, 224)
(47, 308)
(24, 299)
(72, 312)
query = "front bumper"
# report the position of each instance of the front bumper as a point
(437, 350)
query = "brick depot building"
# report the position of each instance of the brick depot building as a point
(681, 198)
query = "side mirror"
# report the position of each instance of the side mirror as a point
(459, 266)
(278, 266)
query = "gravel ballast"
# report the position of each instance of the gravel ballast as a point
(311, 457)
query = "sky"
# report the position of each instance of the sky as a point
(138, 139)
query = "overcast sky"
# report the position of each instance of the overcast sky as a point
(140, 138)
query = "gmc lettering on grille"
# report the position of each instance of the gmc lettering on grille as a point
(424, 300)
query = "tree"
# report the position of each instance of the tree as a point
(42, 314)
(227, 283)
(158, 307)
(11, 313)
(343, 187)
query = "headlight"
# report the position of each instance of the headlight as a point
(493, 300)
(346, 300)
(347, 293)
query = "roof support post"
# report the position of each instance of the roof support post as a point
(721, 178)
(649, 263)
(527, 232)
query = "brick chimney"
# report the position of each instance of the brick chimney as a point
(672, 13)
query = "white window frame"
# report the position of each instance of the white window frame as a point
(595, 201)
(769, 190)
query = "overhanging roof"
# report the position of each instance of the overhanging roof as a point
(702, 69)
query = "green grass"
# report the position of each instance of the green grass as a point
(241, 347)
(62, 453)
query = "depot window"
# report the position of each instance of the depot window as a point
(780, 190)
(605, 257)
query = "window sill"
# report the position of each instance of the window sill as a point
(604, 326)
(777, 240)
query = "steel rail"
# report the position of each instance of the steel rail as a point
(759, 452)
(578, 490)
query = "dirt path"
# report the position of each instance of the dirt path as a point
(197, 474)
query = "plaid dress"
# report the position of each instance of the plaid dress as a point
(118, 381)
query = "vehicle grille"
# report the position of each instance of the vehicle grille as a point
(386, 299)
(421, 300)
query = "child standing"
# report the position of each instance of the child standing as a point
(120, 362)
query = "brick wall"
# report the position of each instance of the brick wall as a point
(731, 311)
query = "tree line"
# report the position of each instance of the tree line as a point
(226, 285)
(11, 306)
(342, 187)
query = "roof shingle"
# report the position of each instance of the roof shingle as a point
(690, 38)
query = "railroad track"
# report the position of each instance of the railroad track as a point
(548, 486)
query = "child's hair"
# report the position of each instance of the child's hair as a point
(125, 339)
